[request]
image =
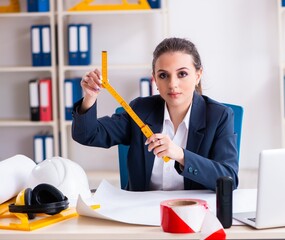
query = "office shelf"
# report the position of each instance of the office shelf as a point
(25, 123)
(27, 14)
(26, 69)
(130, 37)
(16, 70)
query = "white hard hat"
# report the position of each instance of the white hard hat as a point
(64, 174)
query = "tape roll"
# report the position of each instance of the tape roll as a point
(183, 215)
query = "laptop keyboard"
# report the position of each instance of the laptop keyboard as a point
(252, 219)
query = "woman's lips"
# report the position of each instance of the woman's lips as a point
(174, 94)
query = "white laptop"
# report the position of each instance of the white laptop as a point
(270, 206)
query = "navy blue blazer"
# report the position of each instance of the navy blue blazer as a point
(211, 149)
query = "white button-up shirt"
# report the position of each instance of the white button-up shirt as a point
(164, 175)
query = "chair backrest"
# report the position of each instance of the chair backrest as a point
(238, 113)
(123, 154)
(123, 149)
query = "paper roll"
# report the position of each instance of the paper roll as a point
(182, 215)
(14, 172)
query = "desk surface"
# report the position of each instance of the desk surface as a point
(91, 228)
(94, 228)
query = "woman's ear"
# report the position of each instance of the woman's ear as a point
(153, 79)
(153, 83)
(198, 75)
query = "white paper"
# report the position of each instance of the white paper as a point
(136, 207)
(144, 207)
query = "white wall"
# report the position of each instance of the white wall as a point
(237, 41)
(238, 44)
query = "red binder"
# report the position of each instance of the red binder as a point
(45, 99)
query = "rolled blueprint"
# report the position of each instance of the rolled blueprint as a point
(14, 172)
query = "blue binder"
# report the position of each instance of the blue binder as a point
(43, 5)
(43, 146)
(154, 3)
(36, 45)
(84, 33)
(73, 92)
(32, 5)
(48, 146)
(46, 45)
(73, 45)
(145, 87)
(39, 148)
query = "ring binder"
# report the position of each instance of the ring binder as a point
(73, 53)
(46, 46)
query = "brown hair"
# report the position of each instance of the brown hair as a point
(179, 45)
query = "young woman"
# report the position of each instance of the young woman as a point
(194, 131)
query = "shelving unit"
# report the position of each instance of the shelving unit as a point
(281, 29)
(130, 37)
(16, 70)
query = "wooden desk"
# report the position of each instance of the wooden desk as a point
(82, 228)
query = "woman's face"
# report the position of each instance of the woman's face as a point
(176, 77)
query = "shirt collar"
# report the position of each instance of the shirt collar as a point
(185, 120)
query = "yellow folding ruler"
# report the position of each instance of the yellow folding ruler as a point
(84, 5)
(105, 83)
(14, 6)
(20, 221)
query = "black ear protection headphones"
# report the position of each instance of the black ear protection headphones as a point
(44, 198)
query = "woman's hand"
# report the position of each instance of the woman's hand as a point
(162, 145)
(91, 84)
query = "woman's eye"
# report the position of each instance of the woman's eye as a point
(182, 74)
(162, 75)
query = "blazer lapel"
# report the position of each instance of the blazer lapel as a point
(155, 122)
(197, 123)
